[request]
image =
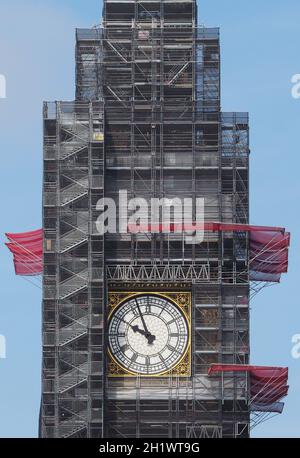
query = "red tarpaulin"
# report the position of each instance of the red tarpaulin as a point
(268, 394)
(270, 373)
(273, 239)
(268, 252)
(27, 249)
(24, 249)
(26, 236)
(268, 385)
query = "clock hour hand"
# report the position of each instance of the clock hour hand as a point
(136, 329)
(148, 336)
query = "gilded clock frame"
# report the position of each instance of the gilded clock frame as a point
(183, 301)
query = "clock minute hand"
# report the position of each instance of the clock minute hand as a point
(147, 334)
(142, 318)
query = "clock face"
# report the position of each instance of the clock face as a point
(148, 335)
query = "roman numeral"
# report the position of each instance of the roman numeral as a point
(148, 306)
(134, 357)
(172, 321)
(173, 349)
(163, 361)
(134, 309)
(124, 348)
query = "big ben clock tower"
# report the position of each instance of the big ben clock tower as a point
(139, 316)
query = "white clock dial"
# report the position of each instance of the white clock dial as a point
(148, 335)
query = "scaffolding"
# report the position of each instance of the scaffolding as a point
(73, 270)
(147, 120)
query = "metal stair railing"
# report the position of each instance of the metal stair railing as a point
(74, 284)
(78, 134)
(69, 431)
(74, 312)
(73, 378)
(72, 239)
(73, 192)
(73, 331)
(69, 149)
(74, 424)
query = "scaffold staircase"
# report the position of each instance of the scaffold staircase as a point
(70, 431)
(71, 148)
(74, 377)
(74, 191)
(73, 239)
(74, 331)
(74, 284)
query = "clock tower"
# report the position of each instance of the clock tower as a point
(139, 316)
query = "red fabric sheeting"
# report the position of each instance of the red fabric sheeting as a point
(258, 388)
(27, 249)
(261, 373)
(272, 381)
(268, 252)
(276, 257)
(269, 267)
(27, 268)
(30, 250)
(271, 239)
(25, 236)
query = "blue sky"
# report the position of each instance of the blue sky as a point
(260, 53)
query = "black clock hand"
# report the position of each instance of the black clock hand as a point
(136, 329)
(150, 337)
(142, 318)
